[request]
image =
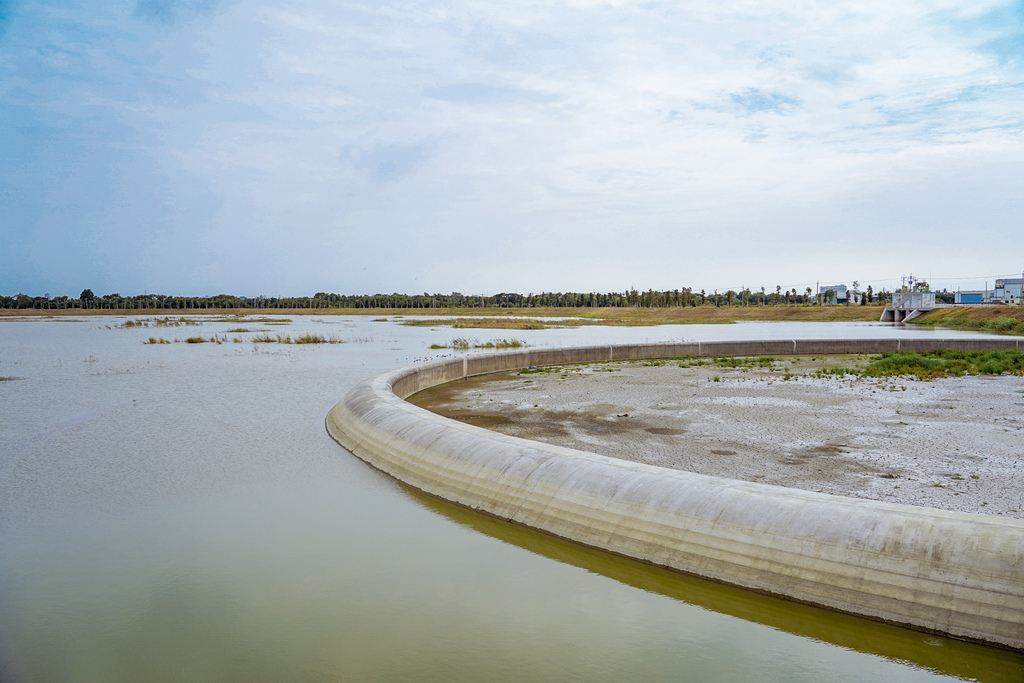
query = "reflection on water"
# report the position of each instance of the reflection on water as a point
(936, 653)
(177, 513)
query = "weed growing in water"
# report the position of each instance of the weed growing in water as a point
(463, 344)
(501, 344)
(156, 340)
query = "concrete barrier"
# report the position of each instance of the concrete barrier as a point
(952, 573)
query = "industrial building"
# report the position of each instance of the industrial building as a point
(1007, 291)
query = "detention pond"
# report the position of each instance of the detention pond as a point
(176, 512)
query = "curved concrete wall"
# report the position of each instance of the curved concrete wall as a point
(945, 572)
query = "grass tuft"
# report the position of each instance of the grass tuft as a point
(463, 344)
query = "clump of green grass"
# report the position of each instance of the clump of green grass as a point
(267, 338)
(938, 363)
(310, 338)
(1004, 325)
(740, 362)
(7, 379)
(156, 340)
(172, 322)
(213, 339)
(501, 344)
(463, 344)
(948, 362)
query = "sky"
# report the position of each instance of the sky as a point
(284, 148)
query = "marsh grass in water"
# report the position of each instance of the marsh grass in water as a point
(212, 339)
(248, 321)
(156, 340)
(167, 321)
(307, 338)
(463, 344)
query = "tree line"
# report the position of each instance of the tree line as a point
(631, 298)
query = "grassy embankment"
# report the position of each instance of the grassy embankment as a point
(996, 319)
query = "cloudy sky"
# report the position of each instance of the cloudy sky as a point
(281, 147)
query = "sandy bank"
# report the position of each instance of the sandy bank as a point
(953, 444)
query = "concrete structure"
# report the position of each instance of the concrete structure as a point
(1008, 290)
(945, 572)
(907, 306)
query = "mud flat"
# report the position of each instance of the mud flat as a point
(952, 443)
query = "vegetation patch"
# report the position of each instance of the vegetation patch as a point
(485, 323)
(310, 338)
(996, 319)
(156, 340)
(167, 321)
(744, 362)
(463, 344)
(939, 363)
(248, 320)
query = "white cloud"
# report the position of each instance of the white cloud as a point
(414, 138)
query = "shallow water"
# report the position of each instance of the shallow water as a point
(177, 513)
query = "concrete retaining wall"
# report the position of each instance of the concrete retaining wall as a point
(945, 572)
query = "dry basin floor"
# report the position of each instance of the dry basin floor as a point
(951, 443)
